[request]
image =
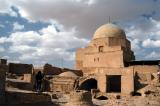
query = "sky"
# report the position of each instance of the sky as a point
(49, 31)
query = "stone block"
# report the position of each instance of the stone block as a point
(27, 77)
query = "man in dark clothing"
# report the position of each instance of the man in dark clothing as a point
(39, 78)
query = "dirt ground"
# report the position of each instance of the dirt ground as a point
(148, 96)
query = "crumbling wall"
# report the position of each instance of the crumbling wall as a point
(20, 71)
(18, 68)
(144, 72)
(145, 68)
(61, 84)
(50, 70)
(80, 98)
(27, 99)
(4, 67)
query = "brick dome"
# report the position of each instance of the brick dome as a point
(109, 30)
(68, 74)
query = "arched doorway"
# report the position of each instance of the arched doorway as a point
(88, 84)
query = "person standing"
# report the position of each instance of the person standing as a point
(39, 78)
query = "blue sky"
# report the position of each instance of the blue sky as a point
(49, 31)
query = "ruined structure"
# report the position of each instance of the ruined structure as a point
(64, 82)
(105, 67)
(80, 98)
(24, 71)
(58, 79)
(108, 48)
(107, 62)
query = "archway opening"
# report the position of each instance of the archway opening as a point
(102, 98)
(89, 84)
(136, 94)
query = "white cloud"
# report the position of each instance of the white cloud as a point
(143, 29)
(47, 45)
(5, 7)
(84, 15)
(145, 37)
(3, 40)
(22, 38)
(17, 26)
(146, 31)
(148, 43)
(135, 45)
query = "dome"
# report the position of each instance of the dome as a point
(109, 30)
(68, 74)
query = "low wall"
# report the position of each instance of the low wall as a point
(144, 72)
(17, 68)
(145, 68)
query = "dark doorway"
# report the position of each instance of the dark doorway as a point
(114, 83)
(88, 85)
(101, 48)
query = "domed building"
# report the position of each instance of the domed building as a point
(68, 74)
(108, 48)
(105, 62)
(64, 82)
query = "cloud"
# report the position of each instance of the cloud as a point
(135, 45)
(148, 43)
(47, 45)
(153, 55)
(21, 38)
(3, 40)
(17, 26)
(6, 7)
(143, 29)
(78, 21)
(2, 49)
(144, 35)
(85, 15)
